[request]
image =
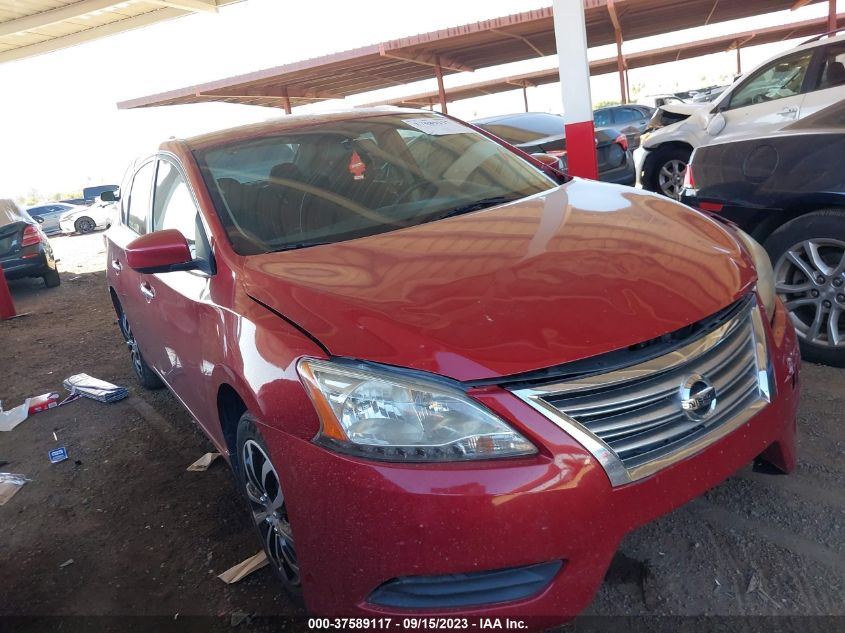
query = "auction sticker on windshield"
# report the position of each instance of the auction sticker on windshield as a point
(438, 127)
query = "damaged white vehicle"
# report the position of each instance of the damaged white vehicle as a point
(785, 88)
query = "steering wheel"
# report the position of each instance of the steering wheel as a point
(416, 186)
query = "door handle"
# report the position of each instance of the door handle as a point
(147, 290)
(115, 263)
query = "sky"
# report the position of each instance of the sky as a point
(60, 129)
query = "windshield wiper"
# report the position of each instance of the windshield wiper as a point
(475, 206)
(296, 245)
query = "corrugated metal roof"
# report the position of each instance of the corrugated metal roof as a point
(461, 48)
(642, 59)
(33, 27)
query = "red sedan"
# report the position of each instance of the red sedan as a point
(448, 378)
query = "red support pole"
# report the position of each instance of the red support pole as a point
(574, 69)
(286, 101)
(525, 94)
(438, 71)
(620, 66)
(831, 15)
(7, 306)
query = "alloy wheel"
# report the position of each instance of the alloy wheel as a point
(671, 178)
(132, 344)
(268, 510)
(810, 280)
(85, 225)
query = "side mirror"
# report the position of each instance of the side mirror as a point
(716, 124)
(160, 252)
(109, 196)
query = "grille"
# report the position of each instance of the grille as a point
(633, 419)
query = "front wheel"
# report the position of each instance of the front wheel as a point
(84, 225)
(809, 264)
(145, 375)
(261, 487)
(666, 174)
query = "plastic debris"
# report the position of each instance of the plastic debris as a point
(94, 388)
(244, 568)
(58, 455)
(10, 483)
(11, 418)
(69, 561)
(203, 462)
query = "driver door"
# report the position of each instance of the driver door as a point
(770, 98)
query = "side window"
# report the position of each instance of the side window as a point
(601, 118)
(139, 198)
(125, 185)
(627, 115)
(832, 68)
(778, 80)
(173, 206)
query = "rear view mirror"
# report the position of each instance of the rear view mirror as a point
(109, 196)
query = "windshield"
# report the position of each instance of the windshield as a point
(342, 180)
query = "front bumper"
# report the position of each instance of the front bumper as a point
(359, 525)
(640, 156)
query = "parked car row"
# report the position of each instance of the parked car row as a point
(448, 377)
(541, 132)
(60, 217)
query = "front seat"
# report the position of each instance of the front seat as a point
(834, 75)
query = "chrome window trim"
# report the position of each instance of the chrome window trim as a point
(616, 471)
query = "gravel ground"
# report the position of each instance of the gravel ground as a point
(147, 537)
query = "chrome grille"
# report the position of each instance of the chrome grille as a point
(632, 419)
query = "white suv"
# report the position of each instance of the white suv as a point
(792, 85)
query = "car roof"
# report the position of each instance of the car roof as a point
(290, 123)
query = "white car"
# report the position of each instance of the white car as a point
(785, 88)
(99, 215)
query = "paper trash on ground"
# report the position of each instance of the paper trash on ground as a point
(244, 569)
(93, 388)
(10, 483)
(203, 462)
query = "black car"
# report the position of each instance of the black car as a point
(541, 132)
(787, 189)
(632, 120)
(24, 249)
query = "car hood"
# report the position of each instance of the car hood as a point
(580, 270)
(686, 108)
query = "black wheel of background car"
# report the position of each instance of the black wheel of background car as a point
(84, 225)
(666, 174)
(146, 376)
(809, 263)
(52, 278)
(261, 488)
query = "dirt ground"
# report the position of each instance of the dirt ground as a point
(146, 537)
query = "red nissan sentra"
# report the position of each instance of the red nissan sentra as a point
(449, 379)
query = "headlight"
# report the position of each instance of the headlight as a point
(381, 416)
(765, 274)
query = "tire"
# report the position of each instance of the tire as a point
(266, 502)
(666, 172)
(145, 375)
(52, 278)
(84, 225)
(808, 256)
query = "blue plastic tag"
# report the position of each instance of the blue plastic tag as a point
(58, 455)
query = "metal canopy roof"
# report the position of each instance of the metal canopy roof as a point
(33, 27)
(457, 49)
(608, 65)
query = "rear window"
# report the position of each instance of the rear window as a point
(349, 179)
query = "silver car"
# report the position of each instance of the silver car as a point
(49, 214)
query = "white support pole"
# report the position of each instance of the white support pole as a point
(571, 38)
